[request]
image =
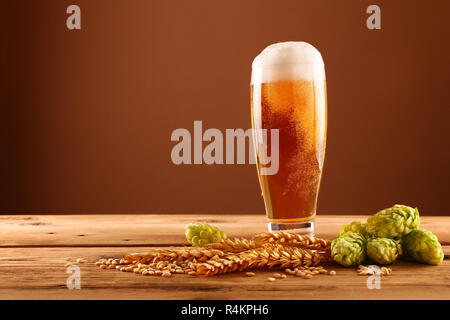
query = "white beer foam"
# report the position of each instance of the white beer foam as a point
(293, 60)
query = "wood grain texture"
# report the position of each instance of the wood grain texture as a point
(40, 273)
(35, 249)
(156, 229)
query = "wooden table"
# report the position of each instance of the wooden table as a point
(35, 249)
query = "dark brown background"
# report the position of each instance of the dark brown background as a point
(87, 115)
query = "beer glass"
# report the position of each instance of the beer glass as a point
(288, 93)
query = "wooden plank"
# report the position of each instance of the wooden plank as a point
(156, 229)
(39, 273)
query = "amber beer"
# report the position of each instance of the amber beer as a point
(288, 93)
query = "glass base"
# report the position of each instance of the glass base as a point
(304, 227)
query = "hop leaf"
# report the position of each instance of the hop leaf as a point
(201, 234)
(355, 226)
(422, 246)
(349, 249)
(393, 222)
(382, 250)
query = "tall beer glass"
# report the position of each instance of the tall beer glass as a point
(288, 93)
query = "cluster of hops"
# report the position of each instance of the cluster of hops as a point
(355, 226)
(349, 249)
(202, 234)
(393, 222)
(422, 246)
(383, 250)
(381, 233)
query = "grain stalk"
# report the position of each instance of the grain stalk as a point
(274, 251)
(292, 239)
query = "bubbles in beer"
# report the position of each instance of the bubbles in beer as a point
(293, 60)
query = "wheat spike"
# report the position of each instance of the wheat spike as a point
(292, 239)
(271, 256)
(175, 254)
(236, 245)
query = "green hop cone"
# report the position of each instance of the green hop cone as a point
(355, 226)
(201, 234)
(382, 250)
(422, 246)
(349, 249)
(393, 222)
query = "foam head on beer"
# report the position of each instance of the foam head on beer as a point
(284, 61)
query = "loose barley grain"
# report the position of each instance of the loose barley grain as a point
(166, 274)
